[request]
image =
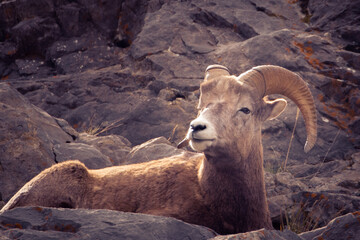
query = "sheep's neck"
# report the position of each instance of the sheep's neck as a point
(235, 190)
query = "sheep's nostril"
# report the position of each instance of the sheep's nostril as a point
(198, 127)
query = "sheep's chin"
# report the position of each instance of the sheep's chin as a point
(200, 145)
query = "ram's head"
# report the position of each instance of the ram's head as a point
(232, 109)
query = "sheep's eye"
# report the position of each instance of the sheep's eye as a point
(245, 110)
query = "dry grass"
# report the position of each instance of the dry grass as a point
(307, 216)
(96, 130)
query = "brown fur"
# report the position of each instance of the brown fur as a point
(222, 189)
(160, 189)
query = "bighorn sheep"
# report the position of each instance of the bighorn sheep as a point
(223, 188)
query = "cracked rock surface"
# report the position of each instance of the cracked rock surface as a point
(50, 223)
(28, 136)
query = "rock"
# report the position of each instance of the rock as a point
(151, 150)
(153, 116)
(128, 102)
(87, 154)
(261, 234)
(131, 20)
(339, 19)
(115, 148)
(285, 180)
(335, 176)
(104, 15)
(31, 66)
(50, 223)
(166, 16)
(7, 51)
(73, 19)
(33, 36)
(318, 208)
(28, 136)
(352, 58)
(343, 227)
(329, 190)
(78, 54)
(67, 128)
(32, 140)
(14, 12)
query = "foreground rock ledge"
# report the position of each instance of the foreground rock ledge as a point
(58, 223)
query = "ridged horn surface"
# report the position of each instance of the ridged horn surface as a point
(215, 70)
(269, 79)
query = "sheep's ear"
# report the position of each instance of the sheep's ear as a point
(274, 108)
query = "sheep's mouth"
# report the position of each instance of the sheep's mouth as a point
(202, 139)
(201, 144)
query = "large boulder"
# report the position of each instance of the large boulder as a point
(32, 140)
(28, 136)
(50, 223)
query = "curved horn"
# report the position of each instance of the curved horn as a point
(269, 79)
(215, 70)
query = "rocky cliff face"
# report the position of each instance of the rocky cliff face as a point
(98, 78)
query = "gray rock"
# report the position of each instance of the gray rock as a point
(77, 54)
(50, 223)
(131, 20)
(73, 19)
(21, 10)
(67, 128)
(32, 140)
(28, 135)
(179, 66)
(28, 67)
(352, 58)
(261, 234)
(319, 208)
(104, 15)
(340, 20)
(116, 100)
(343, 227)
(151, 150)
(154, 117)
(331, 189)
(34, 35)
(114, 147)
(90, 156)
(144, 43)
